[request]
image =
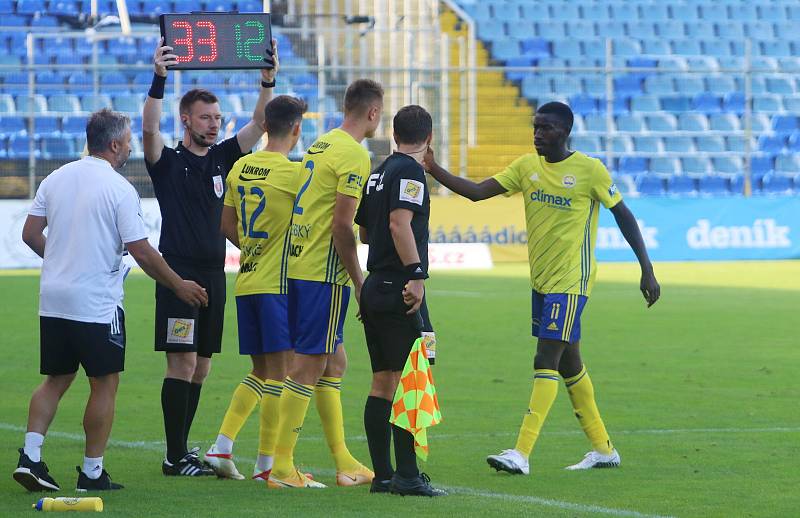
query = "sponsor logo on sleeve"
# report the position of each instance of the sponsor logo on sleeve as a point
(180, 330)
(354, 179)
(612, 190)
(412, 191)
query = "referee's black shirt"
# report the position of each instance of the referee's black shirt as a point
(190, 190)
(398, 183)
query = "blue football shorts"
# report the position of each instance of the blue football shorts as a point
(317, 312)
(263, 323)
(557, 316)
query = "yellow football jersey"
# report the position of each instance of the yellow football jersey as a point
(334, 163)
(561, 211)
(262, 189)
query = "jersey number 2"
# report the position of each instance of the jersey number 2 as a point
(262, 202)
(297, 208)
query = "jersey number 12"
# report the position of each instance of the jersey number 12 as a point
(262, 202)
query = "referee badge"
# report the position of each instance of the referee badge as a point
(219, 187)
(412, 191)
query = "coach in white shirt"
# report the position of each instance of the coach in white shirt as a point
(92, 215)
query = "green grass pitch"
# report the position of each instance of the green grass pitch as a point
(699, 393)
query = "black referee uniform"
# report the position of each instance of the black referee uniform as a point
(399, 183)
(190, 191)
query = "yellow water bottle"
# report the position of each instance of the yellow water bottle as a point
(69, 504)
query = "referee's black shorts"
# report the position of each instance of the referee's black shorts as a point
(182, 328)
(389, 331)
(65, 344)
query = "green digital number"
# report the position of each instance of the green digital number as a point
(244, 48)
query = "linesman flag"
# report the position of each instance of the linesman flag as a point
(415, 406)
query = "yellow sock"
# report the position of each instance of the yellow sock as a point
(545, 389)
(581, 392)
(244, 400)
(328, 397)
(292, 410)
(270, 407)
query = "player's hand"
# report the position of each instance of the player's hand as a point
(357, 293)
(650, 288)
(272, 63)
(192, 293)
(413, 292)
(429, 160)
(163, 58)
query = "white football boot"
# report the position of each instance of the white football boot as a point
(511, 461)
(222, 464)
(595, 459)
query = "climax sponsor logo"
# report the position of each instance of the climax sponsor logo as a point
(763, 233)
(551, 199)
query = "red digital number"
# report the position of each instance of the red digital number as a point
(186, 41)
(211, 41)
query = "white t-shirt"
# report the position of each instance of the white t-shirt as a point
(91, 212)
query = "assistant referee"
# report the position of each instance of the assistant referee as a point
(189, 183)
(393, 219)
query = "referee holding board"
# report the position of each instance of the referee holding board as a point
(393, 220)
(189, 183)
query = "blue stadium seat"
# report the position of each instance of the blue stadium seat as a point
(710, 144)
(114, 81)
(682, 185)
(519, 29)
(714, 185)
(670, 29)
(595, 86)
(717, 48)
(30, 7)
(673, 63)
(645, 104)
(771, 12)
(762, 164)
(581, 29)
(505, 11)
(675, 103)
(33, 104)
(695, 167)
(626, 12)
(565, 11)
(759, 30)
(767, 103)
(665, 167)
(44, 20)
(788, 165)
(657, 13)
(656, 47)
(686, 47)
(73, 126)
(689, 85)
(65, 8)
(702, 63)
(91, 103)
(743, 12)
(15, 20)
(607, 29)
(64, 103)
(57, 148)
(551, 30)
(586, 144)
(764, 64)
(708, 13)
(19, 146)
(781, 85)
(632, 122)
(785, 29)
(488, 30)
(727, 165)
(678, 144)
(659, 84)
(632, 165)
(791, 103)
(699, 30)
(729, 30)
(505, 49)
(516, 75)
(720, 84)
(639, 29)
(771, 143)
(597, 12)
(129, 103)
(707, 103)
(567, 48)
(793, 143)
(724, 122)
(13, 125)
(596, 122)
(583, 104)
(627, 85)
(649, 185)
(738, 144)
(692, 122)
(661, 122)
(737, 184)
(733, 102)
(535, 86)
(784, 124)
(772, 184)
(7, 104)
(647, 145)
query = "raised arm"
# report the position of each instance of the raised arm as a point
(344, 239)
(630, 230)
(250, 134)
(152, 142)
(466, 188)
(33, 233)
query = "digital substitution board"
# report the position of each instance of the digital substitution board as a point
(217, 40)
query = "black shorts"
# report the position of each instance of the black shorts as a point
(182, 328)
(65, 344)
(389, 331)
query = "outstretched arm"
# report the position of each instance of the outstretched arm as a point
(250, 134)
(466, 188)
(152, 142)
(630, 230)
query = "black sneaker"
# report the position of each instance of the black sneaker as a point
(102, 483)
(380, 486)
(417, 486)
(188, 466)
(33, 476)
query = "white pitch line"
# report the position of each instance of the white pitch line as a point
(558, 504)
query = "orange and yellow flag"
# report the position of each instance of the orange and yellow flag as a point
(415, 406)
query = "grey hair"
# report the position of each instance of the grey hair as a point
(103, 127)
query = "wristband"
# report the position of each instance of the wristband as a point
(157, 87)
(271, 84)
(415, 271)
